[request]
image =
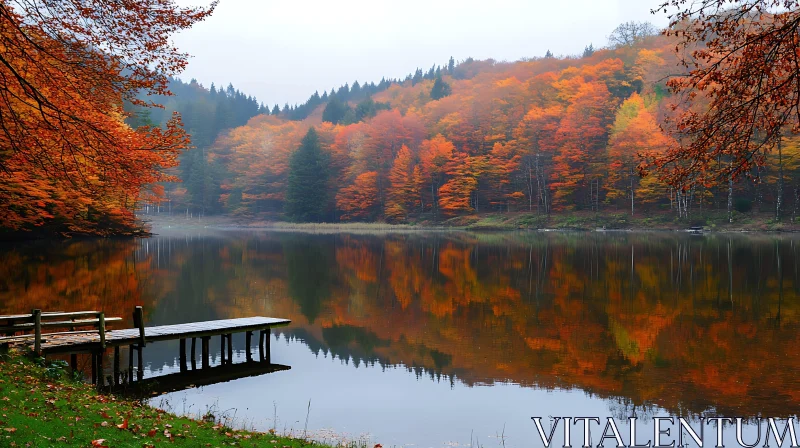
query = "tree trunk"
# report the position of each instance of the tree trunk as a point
(779, 199)
(730, 198)
(631, 191)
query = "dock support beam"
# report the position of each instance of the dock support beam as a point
(194, 350)
(130, 364)
(221, 349)
(267, 349)
(205, 351)
(140, 363)
(101, 379)
(182, 356)
(248, 343)
(230, 348)
(116, 365)
(73, 363)
(263, 345)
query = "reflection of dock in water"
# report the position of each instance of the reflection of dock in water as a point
(201, 377)
(95, 342)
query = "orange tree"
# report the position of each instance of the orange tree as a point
(740, 57)
(68, 161)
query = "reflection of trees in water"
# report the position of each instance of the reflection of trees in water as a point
(685, 323)
(623, 408)
(309, 263)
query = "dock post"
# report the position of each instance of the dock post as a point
(37, 329)
(130, 363)
(222, 349)
(101, 379)
(267, 350)
(116, 365)
(73, 362)
(102, 329)
(138, 322)
(205, 351)
(182, 356)
(230, 349)
(261, 353)
(248, 342)
(140, 362)
(194, 350)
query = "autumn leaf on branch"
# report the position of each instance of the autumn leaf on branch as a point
(66, 69)
(740, 89)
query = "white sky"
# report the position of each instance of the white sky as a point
(282, 51)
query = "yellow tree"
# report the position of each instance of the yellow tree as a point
(403, 194)
(635, 134)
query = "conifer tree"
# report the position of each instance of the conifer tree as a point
(440, 89)
(335, 110)
(308, 177)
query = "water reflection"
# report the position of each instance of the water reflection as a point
(690, 325)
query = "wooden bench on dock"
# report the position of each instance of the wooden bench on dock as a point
(33, 326)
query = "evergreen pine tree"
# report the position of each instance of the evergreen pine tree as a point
(440, 89)
(308, 179)
(417, 77)
(276, 110)
(335, 110)
(451, 65)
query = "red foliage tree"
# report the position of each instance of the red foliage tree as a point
(66, 67)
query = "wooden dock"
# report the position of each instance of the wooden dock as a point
(96, 342)
(88, 342)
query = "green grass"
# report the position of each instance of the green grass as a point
(43, 407)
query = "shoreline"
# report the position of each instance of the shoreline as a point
(489, 223)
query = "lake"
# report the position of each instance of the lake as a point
(453, 338)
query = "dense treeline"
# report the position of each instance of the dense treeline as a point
(545, 135)
(206, 113)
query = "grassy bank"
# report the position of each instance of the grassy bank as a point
(42, 406)
(709, 220)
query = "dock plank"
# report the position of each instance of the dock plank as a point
(81, 342)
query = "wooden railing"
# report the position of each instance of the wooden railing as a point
(38, 321)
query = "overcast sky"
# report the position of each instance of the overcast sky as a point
(282, 51)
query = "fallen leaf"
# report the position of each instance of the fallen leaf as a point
(12, 430)
(124, 424)
(99, 443)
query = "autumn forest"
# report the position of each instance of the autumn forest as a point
(607, 132)
(545, 136)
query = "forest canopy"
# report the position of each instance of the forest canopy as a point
(653, 122)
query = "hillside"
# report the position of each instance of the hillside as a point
(546, 136)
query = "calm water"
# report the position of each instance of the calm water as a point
(434, 339)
